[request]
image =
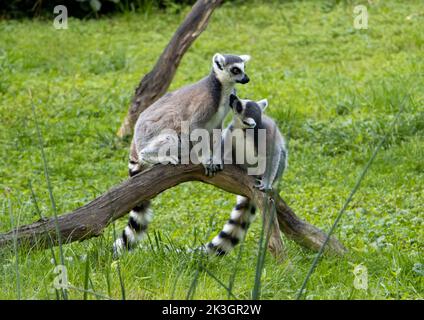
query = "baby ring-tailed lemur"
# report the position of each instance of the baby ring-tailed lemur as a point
(203, 105)
(248, 114)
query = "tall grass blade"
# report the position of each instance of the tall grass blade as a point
(97, 295)
(263, 244)
(108, 284)
(264, 239)
(40, 215)
(235, 269)
(118, 268)
(86, 277)
(15, 249)
(174, 285)
(92, 288)
(193, 284)
(219, 281)
(343, 209)
(49, 186)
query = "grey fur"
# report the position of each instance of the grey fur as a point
(230, 59)
(276, 161)
(276, 151)
(196, 103)
(203, 105)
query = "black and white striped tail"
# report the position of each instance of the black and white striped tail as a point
(235, 228)
(133, 167)
(140, 217)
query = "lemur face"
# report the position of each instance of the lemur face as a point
(247, 113)
(230, 68)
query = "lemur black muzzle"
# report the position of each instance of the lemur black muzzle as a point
(244, 80)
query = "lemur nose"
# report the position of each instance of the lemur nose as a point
(245, 79)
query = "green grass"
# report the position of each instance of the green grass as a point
(334, 88)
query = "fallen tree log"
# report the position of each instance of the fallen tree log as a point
(155, 83)
(91, 219)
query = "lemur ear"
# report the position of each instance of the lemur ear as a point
(245, 57)
(263, 104)
(233, 100)
(218, 60)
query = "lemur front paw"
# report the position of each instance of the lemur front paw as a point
(262, 185)
(220, 167)
(211, 168)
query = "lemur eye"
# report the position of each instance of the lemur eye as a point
(235, 70)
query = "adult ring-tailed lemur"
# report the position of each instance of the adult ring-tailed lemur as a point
(203, 105)
(248, 114)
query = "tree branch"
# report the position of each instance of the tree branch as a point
(156, 82)
(91, 219)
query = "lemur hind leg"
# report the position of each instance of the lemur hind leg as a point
(140, 216)
(162, 149)
(235, 229)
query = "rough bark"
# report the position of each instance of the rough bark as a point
(91, 219)
(156, 82)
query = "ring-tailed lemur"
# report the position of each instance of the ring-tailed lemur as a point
(203, 105)
(248, 114)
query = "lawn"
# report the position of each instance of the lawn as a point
(333, 90)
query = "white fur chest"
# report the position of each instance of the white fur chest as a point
(250, 150)
(246, 143)
(216, 121)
